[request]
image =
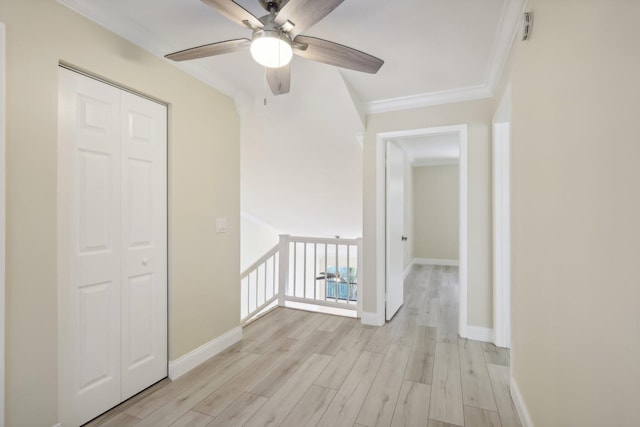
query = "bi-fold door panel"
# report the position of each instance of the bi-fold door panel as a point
(144, 309)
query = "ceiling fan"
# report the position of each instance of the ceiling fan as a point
(276, 37)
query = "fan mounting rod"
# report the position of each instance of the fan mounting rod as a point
(272, 5)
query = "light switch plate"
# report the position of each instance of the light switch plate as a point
(221, 225)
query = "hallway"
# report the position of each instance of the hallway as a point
(295, 368)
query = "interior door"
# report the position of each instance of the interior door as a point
(112, 245)
(395, 228)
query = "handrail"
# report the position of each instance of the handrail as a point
(260, 261)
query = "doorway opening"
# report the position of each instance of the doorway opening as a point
(460, 133)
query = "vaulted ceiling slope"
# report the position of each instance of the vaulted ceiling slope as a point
(435, 51)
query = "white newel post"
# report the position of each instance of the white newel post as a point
(283, 268)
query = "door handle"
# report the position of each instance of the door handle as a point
(404, 238)
(145, 261)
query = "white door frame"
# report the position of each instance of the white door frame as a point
(3, 172)
(381, 138)
(502, 222)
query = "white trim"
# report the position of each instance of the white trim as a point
(184, 364)
(428, 99)
(380, 282)
(407, 270)
(502, 222)
(434, 162)
(479, 333)
(434, 261)
(2, 212)
(57, 425)
(373, 319)
(510, 19)
(521, 406)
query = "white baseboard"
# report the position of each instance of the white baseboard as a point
(373, 319)
(408, 270)
(521, 407)
(479, 333)
(184, 364)
(434, 261)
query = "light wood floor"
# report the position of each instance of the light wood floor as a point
(295, 368)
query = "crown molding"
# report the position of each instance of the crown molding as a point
(428, 99)
(510, 20)
(504, 37)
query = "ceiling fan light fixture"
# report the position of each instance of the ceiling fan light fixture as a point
(271, 49)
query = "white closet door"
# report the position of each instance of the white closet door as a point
(112, 246)
(144, 237)
(89, 246)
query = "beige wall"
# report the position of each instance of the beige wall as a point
(477, 115)
(575, 211)
(203, 184)
(435, 195)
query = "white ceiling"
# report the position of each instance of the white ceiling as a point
(433, 49)
(301, 163)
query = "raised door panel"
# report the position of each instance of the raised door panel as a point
(89, 246)
(144, 236)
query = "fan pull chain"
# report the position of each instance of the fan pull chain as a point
(264, 86)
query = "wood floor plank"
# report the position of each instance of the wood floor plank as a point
(189, 381)
(189, 397)
(310, 408)
(303, 330)
(500, 380)
(279, 374)
(425, 339)
(240, 411)
(430, 313)
(281, 330)
(274, 411)
(446, 389)
(420, 367)
(331, 323)
(334, 374)
(220, 399)
(476, 386)
(337, 338)
(343, 409)
(495, 355)
(377, 409)
(192, 419)
(406, 332)
(436, 423)
(381, 338)
(448, 327)
(114, 419)
(479, 417)
(412, 409)
(340, 366)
